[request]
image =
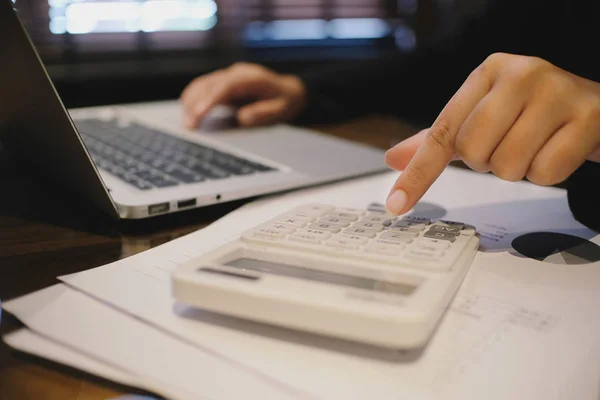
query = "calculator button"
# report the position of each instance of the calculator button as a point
(336, 220)
(325, 226)
(319, 233)
(451, 223)
(375, 226)
(409, 224)
(440, 235)
(400, 236)
(455, 230)
(417, 220)
(280, 226)
(376, 207)
(302, 215)
(356, 239)
(350, 216)
(292, 220)
(260, 238)
(315, 209)
(404, 229)
(271, 232)
(354, 211)
(386, 242)
(306, 238)
(379, 218)
(360, 232)
(342, 243)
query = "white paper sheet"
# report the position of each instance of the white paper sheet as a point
(519, 328)
(28, 341)
(141, 355)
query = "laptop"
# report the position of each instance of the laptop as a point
(136, 161)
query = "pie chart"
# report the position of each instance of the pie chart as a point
(557, 248)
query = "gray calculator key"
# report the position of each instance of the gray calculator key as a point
(451, 223)
(418, 220)
(404, 229)
(440, 235)
(455, 230)
(409, 224)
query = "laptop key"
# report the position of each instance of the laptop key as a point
(206, 169)
(119, 172)
(183, 174)
(163, 182)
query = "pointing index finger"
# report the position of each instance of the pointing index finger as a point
(438, 147)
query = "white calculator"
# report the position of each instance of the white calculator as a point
(353, 274)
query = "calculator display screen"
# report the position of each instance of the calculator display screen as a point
(315, 275)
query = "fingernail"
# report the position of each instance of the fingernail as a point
(396, 202)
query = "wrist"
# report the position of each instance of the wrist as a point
(298, 93)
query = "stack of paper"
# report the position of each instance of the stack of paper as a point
(518, 328)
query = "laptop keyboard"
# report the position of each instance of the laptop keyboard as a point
(147, 158)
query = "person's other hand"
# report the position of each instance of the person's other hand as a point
(269, 97)
(516, 116)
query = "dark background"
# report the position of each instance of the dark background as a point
(110, 64)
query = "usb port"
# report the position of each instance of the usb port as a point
(158, 208)
(186, 203)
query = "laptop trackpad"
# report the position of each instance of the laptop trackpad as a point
(306, 151)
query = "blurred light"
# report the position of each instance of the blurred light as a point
(317, 29)
(76, 17)
(405, 38)
(358, 28)
(255, 31)
(299, 29)
(178, 15)
(58, 25)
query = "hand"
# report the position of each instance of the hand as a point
(518, 117)
(273, 97)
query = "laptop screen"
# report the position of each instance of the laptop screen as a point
(34, 125)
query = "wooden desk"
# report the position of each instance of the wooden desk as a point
(43, 236)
